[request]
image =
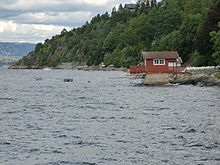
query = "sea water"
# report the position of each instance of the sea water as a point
(104, 118)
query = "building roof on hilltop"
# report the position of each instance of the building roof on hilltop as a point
(158, 55)
(130, 6)
(146, 1)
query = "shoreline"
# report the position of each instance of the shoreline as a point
(93, 68)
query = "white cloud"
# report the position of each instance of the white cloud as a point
(30, 4)
(24, 5)
(96, 2)
(37, 20)
(34, 33)
(6, 27)
(61, 5)
(64, 18)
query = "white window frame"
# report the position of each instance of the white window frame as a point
(158, 61)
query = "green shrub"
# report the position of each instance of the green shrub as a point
(217, 75)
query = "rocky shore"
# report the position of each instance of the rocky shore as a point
(205, 76)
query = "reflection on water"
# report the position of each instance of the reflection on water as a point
(102, 118)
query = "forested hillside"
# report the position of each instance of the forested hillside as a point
(187, 26)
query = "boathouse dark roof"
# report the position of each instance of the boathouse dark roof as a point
(158, 55)
(130, 6)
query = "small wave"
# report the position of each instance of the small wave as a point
(180, 137)
(94, 117)
(7, 99)
(58, 163)
(127, 118)
(165, 161)
(67, 162)
(86, 143)
(34, 150)
(210, 159)
(155, 108)
(82, 143)
(61, 136)
(86, 107)
(86, 163)
(162, 142)
(122, 141)
(170, 128)
(57, 152)
(210, 147)
(109, 159)
(5, 143)
(196, 145)
(159, 101)
(11, 112)
(192, 130)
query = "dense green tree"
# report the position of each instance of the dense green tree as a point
(113, 10)
(203, 40)
(164, 21)
(198, 59)
(116, 58)
(38, 47)
(120, 8)
(215, 38)
(153, 3)
(181, 40)
(171, 4)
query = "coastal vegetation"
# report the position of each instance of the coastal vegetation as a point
(217, 75)
(117, 38)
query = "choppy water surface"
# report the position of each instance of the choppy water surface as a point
(107, 121)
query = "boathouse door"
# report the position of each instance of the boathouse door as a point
(171, 64)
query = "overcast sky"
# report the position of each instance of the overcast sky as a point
(36, 20)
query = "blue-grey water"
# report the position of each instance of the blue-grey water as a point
(103, 118)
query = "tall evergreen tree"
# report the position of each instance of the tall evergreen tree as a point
(203, 43)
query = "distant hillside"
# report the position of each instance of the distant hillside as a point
(119, 38)
(15, 49)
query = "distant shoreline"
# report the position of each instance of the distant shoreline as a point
(201, 76)
(86, 68)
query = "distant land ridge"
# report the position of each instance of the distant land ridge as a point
(15, 49)
(11, 52)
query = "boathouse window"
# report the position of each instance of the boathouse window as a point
(159, 62)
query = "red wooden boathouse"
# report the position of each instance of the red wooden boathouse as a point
(159, 62)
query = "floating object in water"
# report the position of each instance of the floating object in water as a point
(68, 80)
(89, 81)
